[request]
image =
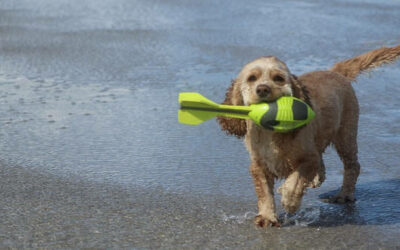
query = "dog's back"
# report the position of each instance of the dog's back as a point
(334, 102)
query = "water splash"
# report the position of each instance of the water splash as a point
(240, 219)
(302, 218)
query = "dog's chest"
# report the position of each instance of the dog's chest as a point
(263, 148)
(271, 156)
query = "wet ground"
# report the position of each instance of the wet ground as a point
(91, 154)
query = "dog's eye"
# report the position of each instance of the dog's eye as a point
(252, 78)
(278, 78)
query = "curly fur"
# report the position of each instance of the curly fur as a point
(233, 126)
(297, 156)
(352, 67)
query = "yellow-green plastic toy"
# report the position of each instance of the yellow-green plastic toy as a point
(283, 115)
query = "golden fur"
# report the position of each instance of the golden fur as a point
(297, 156)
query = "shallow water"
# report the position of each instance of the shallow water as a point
(91, 151)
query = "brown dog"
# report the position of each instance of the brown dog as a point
(297, 156)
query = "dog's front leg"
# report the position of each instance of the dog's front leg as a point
(295, 184)
(264, 185)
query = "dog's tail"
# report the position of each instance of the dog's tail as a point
(352, 67)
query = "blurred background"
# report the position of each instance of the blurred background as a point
(92, 155)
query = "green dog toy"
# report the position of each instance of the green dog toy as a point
(282, 115)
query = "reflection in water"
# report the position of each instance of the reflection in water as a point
(377, 204)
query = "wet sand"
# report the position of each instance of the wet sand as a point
(45, 211)
(92, 155)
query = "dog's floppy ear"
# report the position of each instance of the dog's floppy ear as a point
(299, 90)
(233, 126)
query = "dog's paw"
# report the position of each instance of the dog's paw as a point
(342, 198)
(291, 205)
(317, 181)
(262, 221)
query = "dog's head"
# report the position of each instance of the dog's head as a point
(262, 80)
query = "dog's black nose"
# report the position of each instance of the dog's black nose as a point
(263, 90)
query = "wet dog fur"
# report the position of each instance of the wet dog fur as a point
(297, 156)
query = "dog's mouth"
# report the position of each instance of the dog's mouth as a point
(271, 98)
(267, 99)
(258, 100)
